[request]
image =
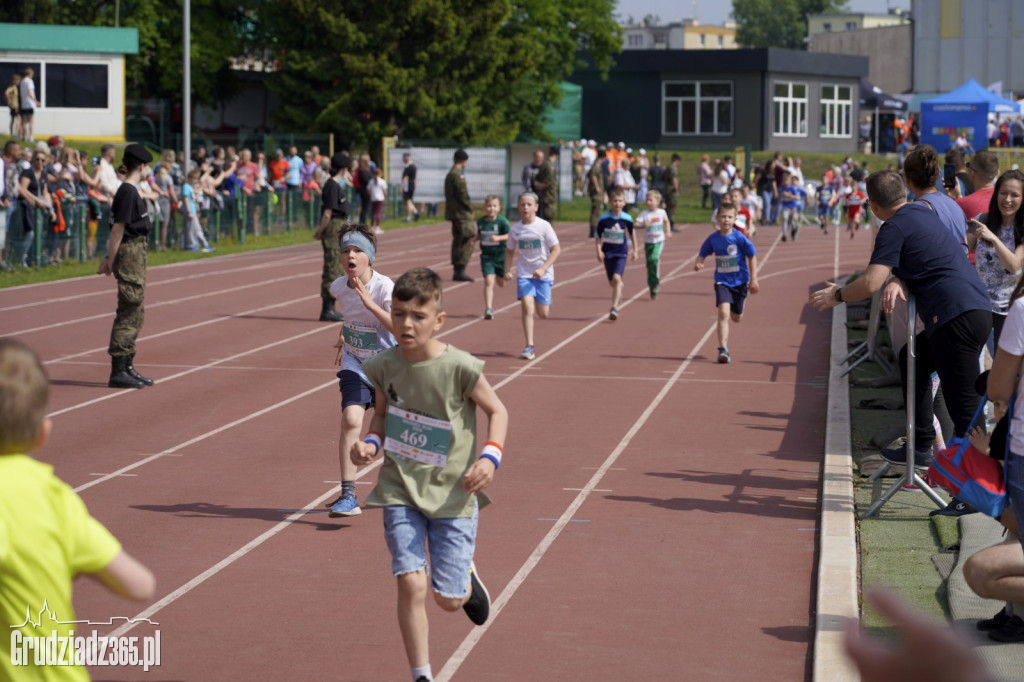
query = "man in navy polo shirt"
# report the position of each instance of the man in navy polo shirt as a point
(915, 246)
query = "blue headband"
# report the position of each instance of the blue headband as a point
(360, 241)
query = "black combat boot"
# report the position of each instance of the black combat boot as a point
(460, 274)
(119, 375)
(134, 373)
(329, 314)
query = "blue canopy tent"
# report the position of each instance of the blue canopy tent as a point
(964, 110)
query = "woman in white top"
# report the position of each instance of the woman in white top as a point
(719, 185)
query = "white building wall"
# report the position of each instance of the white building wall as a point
(105, 124)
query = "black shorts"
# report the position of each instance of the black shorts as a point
(355, 390)
(734, 296)
(407, 196)
(14, 112)
(27, 113)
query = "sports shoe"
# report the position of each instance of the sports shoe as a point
(488, 314)
(654, 294)
(954, 508)
(527, 353)
(1013, 631)
(613, 314)
(478, 606)
(207, 249)
(922, 456)
(996, 622)
(783, 235)
(723, 356)
(346, 505)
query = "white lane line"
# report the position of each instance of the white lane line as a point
(471, 640)
(191, 370)
(236, 555)
(208, 434)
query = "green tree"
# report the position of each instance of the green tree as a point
(475, 71)
(778, 23)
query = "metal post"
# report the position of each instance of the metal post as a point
(910, 476)
(186, 68)
(38, 237)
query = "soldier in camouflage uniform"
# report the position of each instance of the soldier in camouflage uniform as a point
(333, 218)
(545, 184)
(459, 210)
(595, 190)
(670, 190)
(126, 260)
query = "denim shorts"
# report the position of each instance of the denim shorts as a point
(1014, 474)
(540, 289)
(355, 390)
(409, 533)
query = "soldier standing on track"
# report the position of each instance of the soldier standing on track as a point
(126, 260)
(459, 210)
(545, 183)
(333, 218)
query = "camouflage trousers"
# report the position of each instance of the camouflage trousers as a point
(548, 210)
(463, 232)
(330, 239)
(130, 271)
(670, 207)
(596, 209)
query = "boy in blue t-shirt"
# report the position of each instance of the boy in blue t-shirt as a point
(792, 197)
(825, 201)
(735, 273)
(614, 243)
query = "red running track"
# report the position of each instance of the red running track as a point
(655, 516)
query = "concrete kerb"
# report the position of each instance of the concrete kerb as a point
(838, 559)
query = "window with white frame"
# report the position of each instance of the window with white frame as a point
(789, 108)
(851, 25)
(697, 108)
(836, 108)
(826, 26)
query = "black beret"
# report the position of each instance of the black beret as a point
(137, 152)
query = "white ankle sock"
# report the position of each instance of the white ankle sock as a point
(423, 671)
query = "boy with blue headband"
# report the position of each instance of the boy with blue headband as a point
(364, 296)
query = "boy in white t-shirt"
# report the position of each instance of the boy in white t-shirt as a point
(533, 245)
(364, 297)
(655, 221)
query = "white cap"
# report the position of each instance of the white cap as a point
(642, 151)
(583, 142)
(592, 143)
(610, 145)
(622, 145)
(629, 150)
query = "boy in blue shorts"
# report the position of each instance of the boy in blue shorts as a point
(364, 297)
(733, 276)
(47, 536)
(492, 231)
(825, 201)
(791, 195)
(432, 480)
(533, 245)
(614, 243)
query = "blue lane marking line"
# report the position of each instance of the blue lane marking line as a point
(570, 520)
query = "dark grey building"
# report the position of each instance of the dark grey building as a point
(784, 100)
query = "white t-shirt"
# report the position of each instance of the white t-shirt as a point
(589, 155)
(109, 182)
(624, 180)
(534, 243)
(28, 94)
(1011, 340)
(654, 224)
(378, 189)
(363, 333)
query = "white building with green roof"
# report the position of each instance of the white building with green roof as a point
(79, 77)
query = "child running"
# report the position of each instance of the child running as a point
(533, 245)
(614, 243)
(48, 536)
(735, 273)
(655, 221)
(492, 231)
(853, 199)
(825, 201)
(432, 480)
(744, 219)
(364, 296)
(791, 195)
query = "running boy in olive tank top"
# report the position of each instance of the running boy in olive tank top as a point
(432, 480)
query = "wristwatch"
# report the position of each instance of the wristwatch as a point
(839, 294)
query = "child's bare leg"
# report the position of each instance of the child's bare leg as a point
(351, 426)
(723, 325)
(489, 291)
(543, 310)
(528, 308)
(616, 284)
(412, 617)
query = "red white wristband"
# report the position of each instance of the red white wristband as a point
(492, 451)
(374, 438)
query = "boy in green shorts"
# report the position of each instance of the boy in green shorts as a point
(432, 480)
(47, 536)
(492, 231)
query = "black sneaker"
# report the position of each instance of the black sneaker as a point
(923, 457)
(954, 508)
(478, 606)
(996, 622)
(1013, 631)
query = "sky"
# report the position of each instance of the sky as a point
(717, 11)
